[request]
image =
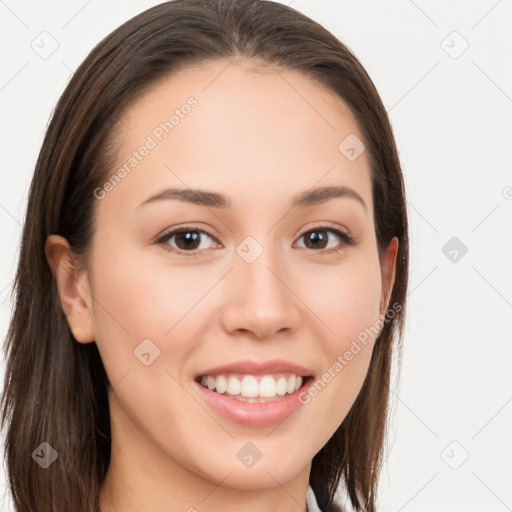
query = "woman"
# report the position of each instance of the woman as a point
(213, 272)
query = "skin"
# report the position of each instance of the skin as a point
(259, 136)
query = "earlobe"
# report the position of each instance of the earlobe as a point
(73, 288)
(388, 266)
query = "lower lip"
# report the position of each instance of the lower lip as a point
(253, 415)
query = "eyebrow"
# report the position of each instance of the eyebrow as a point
(309, 197)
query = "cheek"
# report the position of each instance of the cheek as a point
(345, 298)
(142, 295)
(139, 298)
(144, 314)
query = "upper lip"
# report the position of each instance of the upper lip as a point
(251, 367)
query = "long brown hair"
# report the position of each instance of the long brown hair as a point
(55, 389)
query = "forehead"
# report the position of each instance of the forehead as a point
(250, 130)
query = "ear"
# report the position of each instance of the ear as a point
(388, 268)
(73, 287)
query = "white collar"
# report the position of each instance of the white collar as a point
(311, 503)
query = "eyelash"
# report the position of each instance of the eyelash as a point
(346, 239)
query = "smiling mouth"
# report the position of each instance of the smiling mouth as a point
(253, 388)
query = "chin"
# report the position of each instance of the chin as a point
(277, 469)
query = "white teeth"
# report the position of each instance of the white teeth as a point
(234, 386)
(222, 384)
(249, 387)
(268, 387)
(290, 385)
(281, 386)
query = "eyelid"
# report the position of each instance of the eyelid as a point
(346, 238)
(323, 225)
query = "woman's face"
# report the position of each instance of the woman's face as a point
(257, 281)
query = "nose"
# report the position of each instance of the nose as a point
(260, 299)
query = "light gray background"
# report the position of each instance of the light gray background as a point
(452, 117)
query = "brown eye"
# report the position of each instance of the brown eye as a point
(186, 240)
(317, 239)
(325, 238)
